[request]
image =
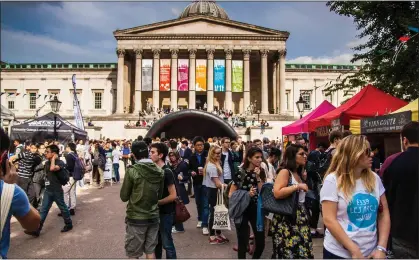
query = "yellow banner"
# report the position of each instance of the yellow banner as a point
(201, 75)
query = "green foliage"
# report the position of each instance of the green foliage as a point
(382, 24)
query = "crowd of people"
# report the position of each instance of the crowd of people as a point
(361, 204)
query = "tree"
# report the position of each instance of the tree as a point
(382, 24)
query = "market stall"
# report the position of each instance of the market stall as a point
(301, 126)
(42, 128)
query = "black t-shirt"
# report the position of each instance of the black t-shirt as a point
(247, 181)
(168, 180)
(52, 183)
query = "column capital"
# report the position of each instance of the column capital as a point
(138, 53)
(264, 53)
(282, 53)
(156, 53)
(192, 53)
(210, 53)
(120, 53)
(174, 52)
(229, 53)
(246, 54)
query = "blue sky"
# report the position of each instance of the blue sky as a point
(49, 32)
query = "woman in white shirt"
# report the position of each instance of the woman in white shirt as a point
(354, 204)
(291, 237)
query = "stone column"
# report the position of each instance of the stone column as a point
(173, 80)
(246, 83)
(228, 96)
(278, 98)
(138, 62)
(120, 82)
(192, 65)
(264, 81)
(283, 103)
(156, 78)
(210, 80)
(275, 103)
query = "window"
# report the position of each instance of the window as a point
(329, 97)
(11, 104)
(98, 100)
(32, 100)
(287, 99)
(307, 98)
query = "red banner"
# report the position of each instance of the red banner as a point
(183, 75)
(165, 75)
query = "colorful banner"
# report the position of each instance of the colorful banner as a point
(201, 75)
(237, 76)
(78, 118)
(147, 75)
(183, 75)
(219, 75)
(165, 75)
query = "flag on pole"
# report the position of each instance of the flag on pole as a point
(10, 94)
(38, 96)
(1, 93)
(17, 94)
(78, 118)
(45, 97)
(24, 95)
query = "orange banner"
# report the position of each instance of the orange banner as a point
(201, 75)
(165, 75)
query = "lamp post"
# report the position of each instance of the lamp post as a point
(55, 106)
(258, 112)
(300, 106)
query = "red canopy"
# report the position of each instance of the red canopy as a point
(301, 125)
(369, 102)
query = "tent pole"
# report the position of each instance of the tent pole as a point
(55, 127)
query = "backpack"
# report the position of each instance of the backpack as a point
(63, 176)
(79, 168)
(325, 162)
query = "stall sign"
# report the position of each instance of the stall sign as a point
(385, 124)
(322, 131)
(336, 124)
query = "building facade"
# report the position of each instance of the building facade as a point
(200, 60)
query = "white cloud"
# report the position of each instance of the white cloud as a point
(339, 59)
(356, 42)
(175, 11)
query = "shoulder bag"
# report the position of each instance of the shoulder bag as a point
(284, 207)
(181, 212)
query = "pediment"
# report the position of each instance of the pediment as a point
(200, 25)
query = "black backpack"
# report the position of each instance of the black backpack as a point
(63, 176)
(325, 162)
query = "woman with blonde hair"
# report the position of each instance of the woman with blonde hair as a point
(213, 180)
(354, 204)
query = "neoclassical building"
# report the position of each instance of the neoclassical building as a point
(202, 59)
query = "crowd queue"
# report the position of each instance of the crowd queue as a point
(369, 210)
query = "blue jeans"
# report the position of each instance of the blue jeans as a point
(165, 239)
(201, 204)
(116, 171)
(58, 198)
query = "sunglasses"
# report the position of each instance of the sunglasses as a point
(368, 152)
(218, 153)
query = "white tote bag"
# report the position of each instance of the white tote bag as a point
(221, 217)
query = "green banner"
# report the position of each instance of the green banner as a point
(237, 77)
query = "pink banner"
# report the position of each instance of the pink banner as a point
(183, 75)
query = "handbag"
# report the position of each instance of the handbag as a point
(285, 207)
(221, 217)
(181, 212)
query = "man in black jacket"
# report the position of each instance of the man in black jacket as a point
(400, 180)
(227, 160)
(196, 169)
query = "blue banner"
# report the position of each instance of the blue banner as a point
(219, 75)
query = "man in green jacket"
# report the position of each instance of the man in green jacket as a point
(142, 188)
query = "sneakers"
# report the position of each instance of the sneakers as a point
(199, 225)
(215, 240)
(174, 231)
(223, 238)
(205, 231)
(67, 228)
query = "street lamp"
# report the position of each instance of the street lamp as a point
(258, 112)
(300, 106)
(55, 106)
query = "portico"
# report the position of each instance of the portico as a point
(175, 63)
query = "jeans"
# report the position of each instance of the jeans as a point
(58, 198)
(27, 185)
(212, 201)
(116, 171)
(201, 204)
(328, 255)
(165, 239)
(70, 197)
(242, 229)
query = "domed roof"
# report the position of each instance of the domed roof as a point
(201, 7)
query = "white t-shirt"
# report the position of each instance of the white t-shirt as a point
(115, 154)
(211, 173)
(358, 218)
(226, 167)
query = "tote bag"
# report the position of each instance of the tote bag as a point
(221, 217)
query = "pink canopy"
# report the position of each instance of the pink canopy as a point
(301, 125)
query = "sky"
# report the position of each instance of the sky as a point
(82, 32)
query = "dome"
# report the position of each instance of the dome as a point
(201, 7)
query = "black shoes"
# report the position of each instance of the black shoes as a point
(32, 233)
(316, 235)
(67, 227)
(72, 213)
